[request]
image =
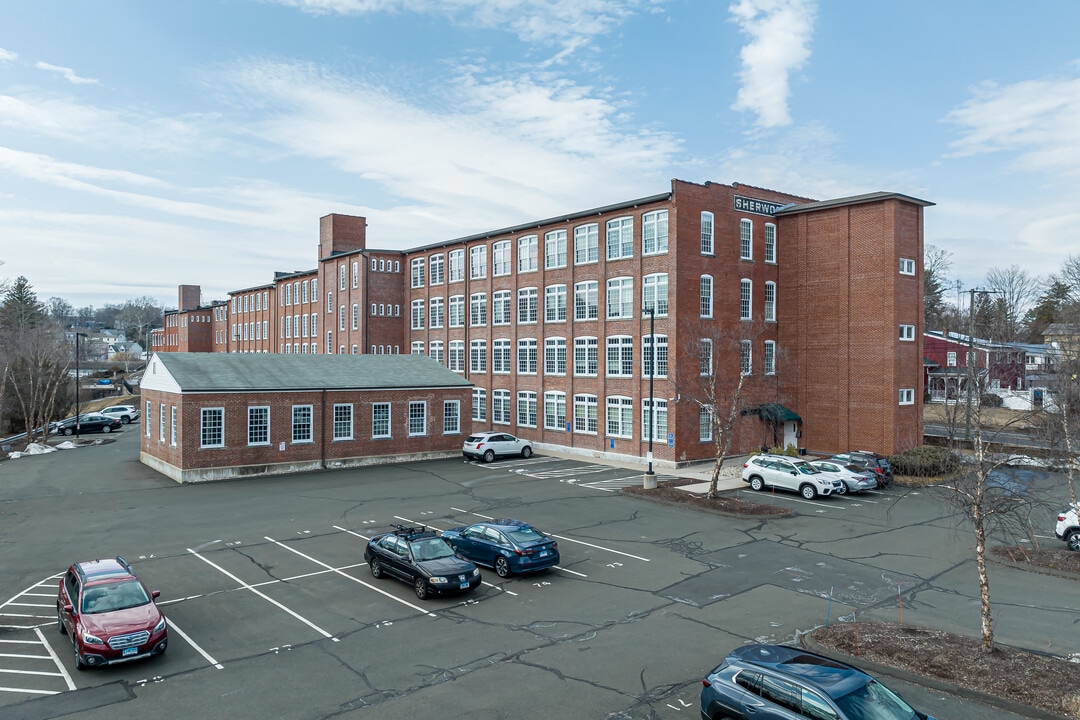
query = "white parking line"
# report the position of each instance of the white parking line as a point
(482, 582)
(56, 660)
(192, 643)
(350, 577)
(265, 597)
(561, 537)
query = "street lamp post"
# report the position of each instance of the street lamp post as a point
(78, 377)
(970, 360)
(650, 476)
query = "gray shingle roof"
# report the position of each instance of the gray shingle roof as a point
(221, 372)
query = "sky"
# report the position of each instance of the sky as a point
(145, 145)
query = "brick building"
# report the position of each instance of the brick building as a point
(217, 416)
(813, 309)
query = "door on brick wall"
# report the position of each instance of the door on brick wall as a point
(791, 433)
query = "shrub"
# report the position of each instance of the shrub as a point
(990, 400)
(925, 461)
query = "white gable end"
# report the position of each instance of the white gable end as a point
(157, 377)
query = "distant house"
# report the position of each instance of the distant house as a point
(124, 350)
(212, 416)
(1064, 338)
(950, 357)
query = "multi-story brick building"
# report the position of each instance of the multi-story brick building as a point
(601, 330)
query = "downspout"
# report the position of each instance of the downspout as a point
(322, 431)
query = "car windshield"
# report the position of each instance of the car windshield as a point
(807, 469)
(874, 701)
(430, 549)
(116, 596)
(525, 534)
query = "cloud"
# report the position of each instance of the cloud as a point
(68, 74)
(780, 32)
(1035, 119)
(8, 55)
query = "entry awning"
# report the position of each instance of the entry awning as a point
(775, 412)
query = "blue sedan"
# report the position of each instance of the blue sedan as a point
(508, 546)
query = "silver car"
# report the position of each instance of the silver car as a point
(487, 446)
(855, 479)
(780, 471)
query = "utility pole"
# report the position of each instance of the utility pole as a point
(969, 361)
(78, 379)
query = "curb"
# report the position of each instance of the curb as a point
(1029, 567)
(914, 678)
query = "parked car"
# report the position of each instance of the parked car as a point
(879, 464)
(489, 445)
(126, 413)
(421, 558)
(1068, 528)
(507, 546)
(88, 423)
(777, 682)
(786, 473)
(109, 614)
(855, 478)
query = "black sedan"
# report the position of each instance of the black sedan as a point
(507, 546)
(88, 424)
(421, 558)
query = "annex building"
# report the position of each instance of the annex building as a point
(599, 330)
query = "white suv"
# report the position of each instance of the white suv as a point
(125, 413)
(780, 471)
(1068, 528)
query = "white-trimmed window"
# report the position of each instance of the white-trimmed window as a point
(417, 347)
(437, 269)
(147, 419)
(478, 262)
(172, 426)
(620, 417)
(457, 356)
(500, 356)
(500, 307)
(161, 424)
(654, 293)
(437, 313)
(500, 407)
(259, 425)
(456, 261)
(211, 427)
(329, 342)
(478, 356)
(647, 355)
(555, 249)
(436, 351)
(341, 278)
(526, 409)
(950, 359)
(907, 333)
(585, 300)
(585, 356)
(528, 249)
(355, 317)
(417, 314)
(746, 357)
(343, 421)
(620, 238)
(555, 356)
(705, 423)
(341, 320)
(620, 297)
(705, 358)
(770, 301)
(770, 243)
(706, 303)
(907, 396)
(500, 258)
(907, 266)
(380, 420)
(451, 417)
(479, 404)
(456, 311)
(526, 364)
(768, 359)
(417, 418)
(585, 414)
(706, 233)
(314, 325)
(746, 239)
(329, 301)
(302, 424)
(555, 303)
(746, 294)
(555, 410)
(586, 243)
(654, 232)
(477, 309)
(659, 419)
(527, 305)
(418, 272)
(620, 356)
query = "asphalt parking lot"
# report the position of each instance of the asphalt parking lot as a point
(274, 614)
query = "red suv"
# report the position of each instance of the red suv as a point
(109, 614)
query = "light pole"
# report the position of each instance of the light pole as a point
(969, 361)
(650, 476)
(78, 377)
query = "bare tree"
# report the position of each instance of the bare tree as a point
(936, 266)
(1015, 293)
(136, 316)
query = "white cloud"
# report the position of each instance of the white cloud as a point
(68, 74)
(780, 33)
(8, 55)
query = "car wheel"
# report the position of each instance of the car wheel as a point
(842, 490)
(106, 429)
(376, 568)
(69, 431)
(757, 483)
(420, 585)
(502, 567)
(79, 664)
(489, 456)
(808, 491)
(60, 622)
(1072, 540)
(126, 420)
(526, 451)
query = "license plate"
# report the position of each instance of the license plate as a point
(543, 553)
(131, 651)
(464, 586)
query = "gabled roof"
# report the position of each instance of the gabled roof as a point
(245, 372)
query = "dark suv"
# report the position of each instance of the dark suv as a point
(109, 614)
(777, 682)
(872, 461)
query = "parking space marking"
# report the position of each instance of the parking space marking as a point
(482, 581)
(15, 602)
(343, 574)
(265, 597)
(55, 659)
(561, 537)
(192, 643)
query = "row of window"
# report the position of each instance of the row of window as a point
(299, 292)
(253, 303)
(619, 418)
